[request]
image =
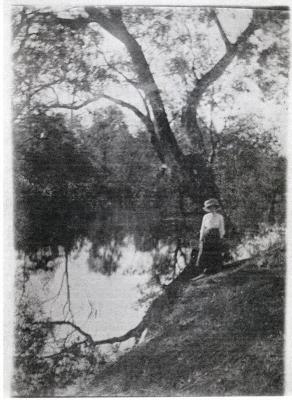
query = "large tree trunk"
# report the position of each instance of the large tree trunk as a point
(197, 177)
(195, 95)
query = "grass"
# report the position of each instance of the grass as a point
(222, 336)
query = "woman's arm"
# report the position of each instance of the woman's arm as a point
(202, 230)
(199, 253)
(222, 227)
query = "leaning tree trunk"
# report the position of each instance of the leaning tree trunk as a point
(198, 180)
(197, 176)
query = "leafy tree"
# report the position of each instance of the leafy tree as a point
(42, 362)
(251, 173)
(55, 185)
(32, 375)
(89, 70)
(127, 162)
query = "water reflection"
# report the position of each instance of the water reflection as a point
(114, 274)
(91, 294)
(147, 230)
(105, 305)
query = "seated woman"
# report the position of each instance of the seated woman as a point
(212, 231)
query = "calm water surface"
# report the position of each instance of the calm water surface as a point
(111, 274)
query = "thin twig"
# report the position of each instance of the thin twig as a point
(68, 301)
(54, 298)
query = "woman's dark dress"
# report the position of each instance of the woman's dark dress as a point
(211, 258)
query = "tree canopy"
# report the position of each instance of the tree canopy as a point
(97, 50)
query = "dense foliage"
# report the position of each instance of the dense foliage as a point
(55, 185)
(37, 373)
(251, 174)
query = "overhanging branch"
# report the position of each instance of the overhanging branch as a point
(125, 104)
(122, 103)
(221, 30)
(133, 333)
(217, 70)
(73, 106)
(66, 323)
(144, 118)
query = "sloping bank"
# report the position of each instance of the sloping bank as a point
(221, 335)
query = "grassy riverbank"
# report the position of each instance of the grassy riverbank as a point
(223, 335)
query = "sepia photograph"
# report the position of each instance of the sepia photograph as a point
(149, 162)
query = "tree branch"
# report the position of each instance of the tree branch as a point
(217, 70)
(131, 81)
(144, 118)
(212, 75)
(68, 323)
(116, 27)
(74, 106)
(54, 298)
(68, 301)
(74, 23)
(65, 350)
(120, 102)
(22, 42)
(221, 30)
(135, 332)
(145, 104)
(134, 109)
(17, 28)
(214, 145)
(45, 86)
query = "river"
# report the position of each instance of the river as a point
(111, 273)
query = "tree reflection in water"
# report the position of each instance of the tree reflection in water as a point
(165, 238)
(105, 286)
